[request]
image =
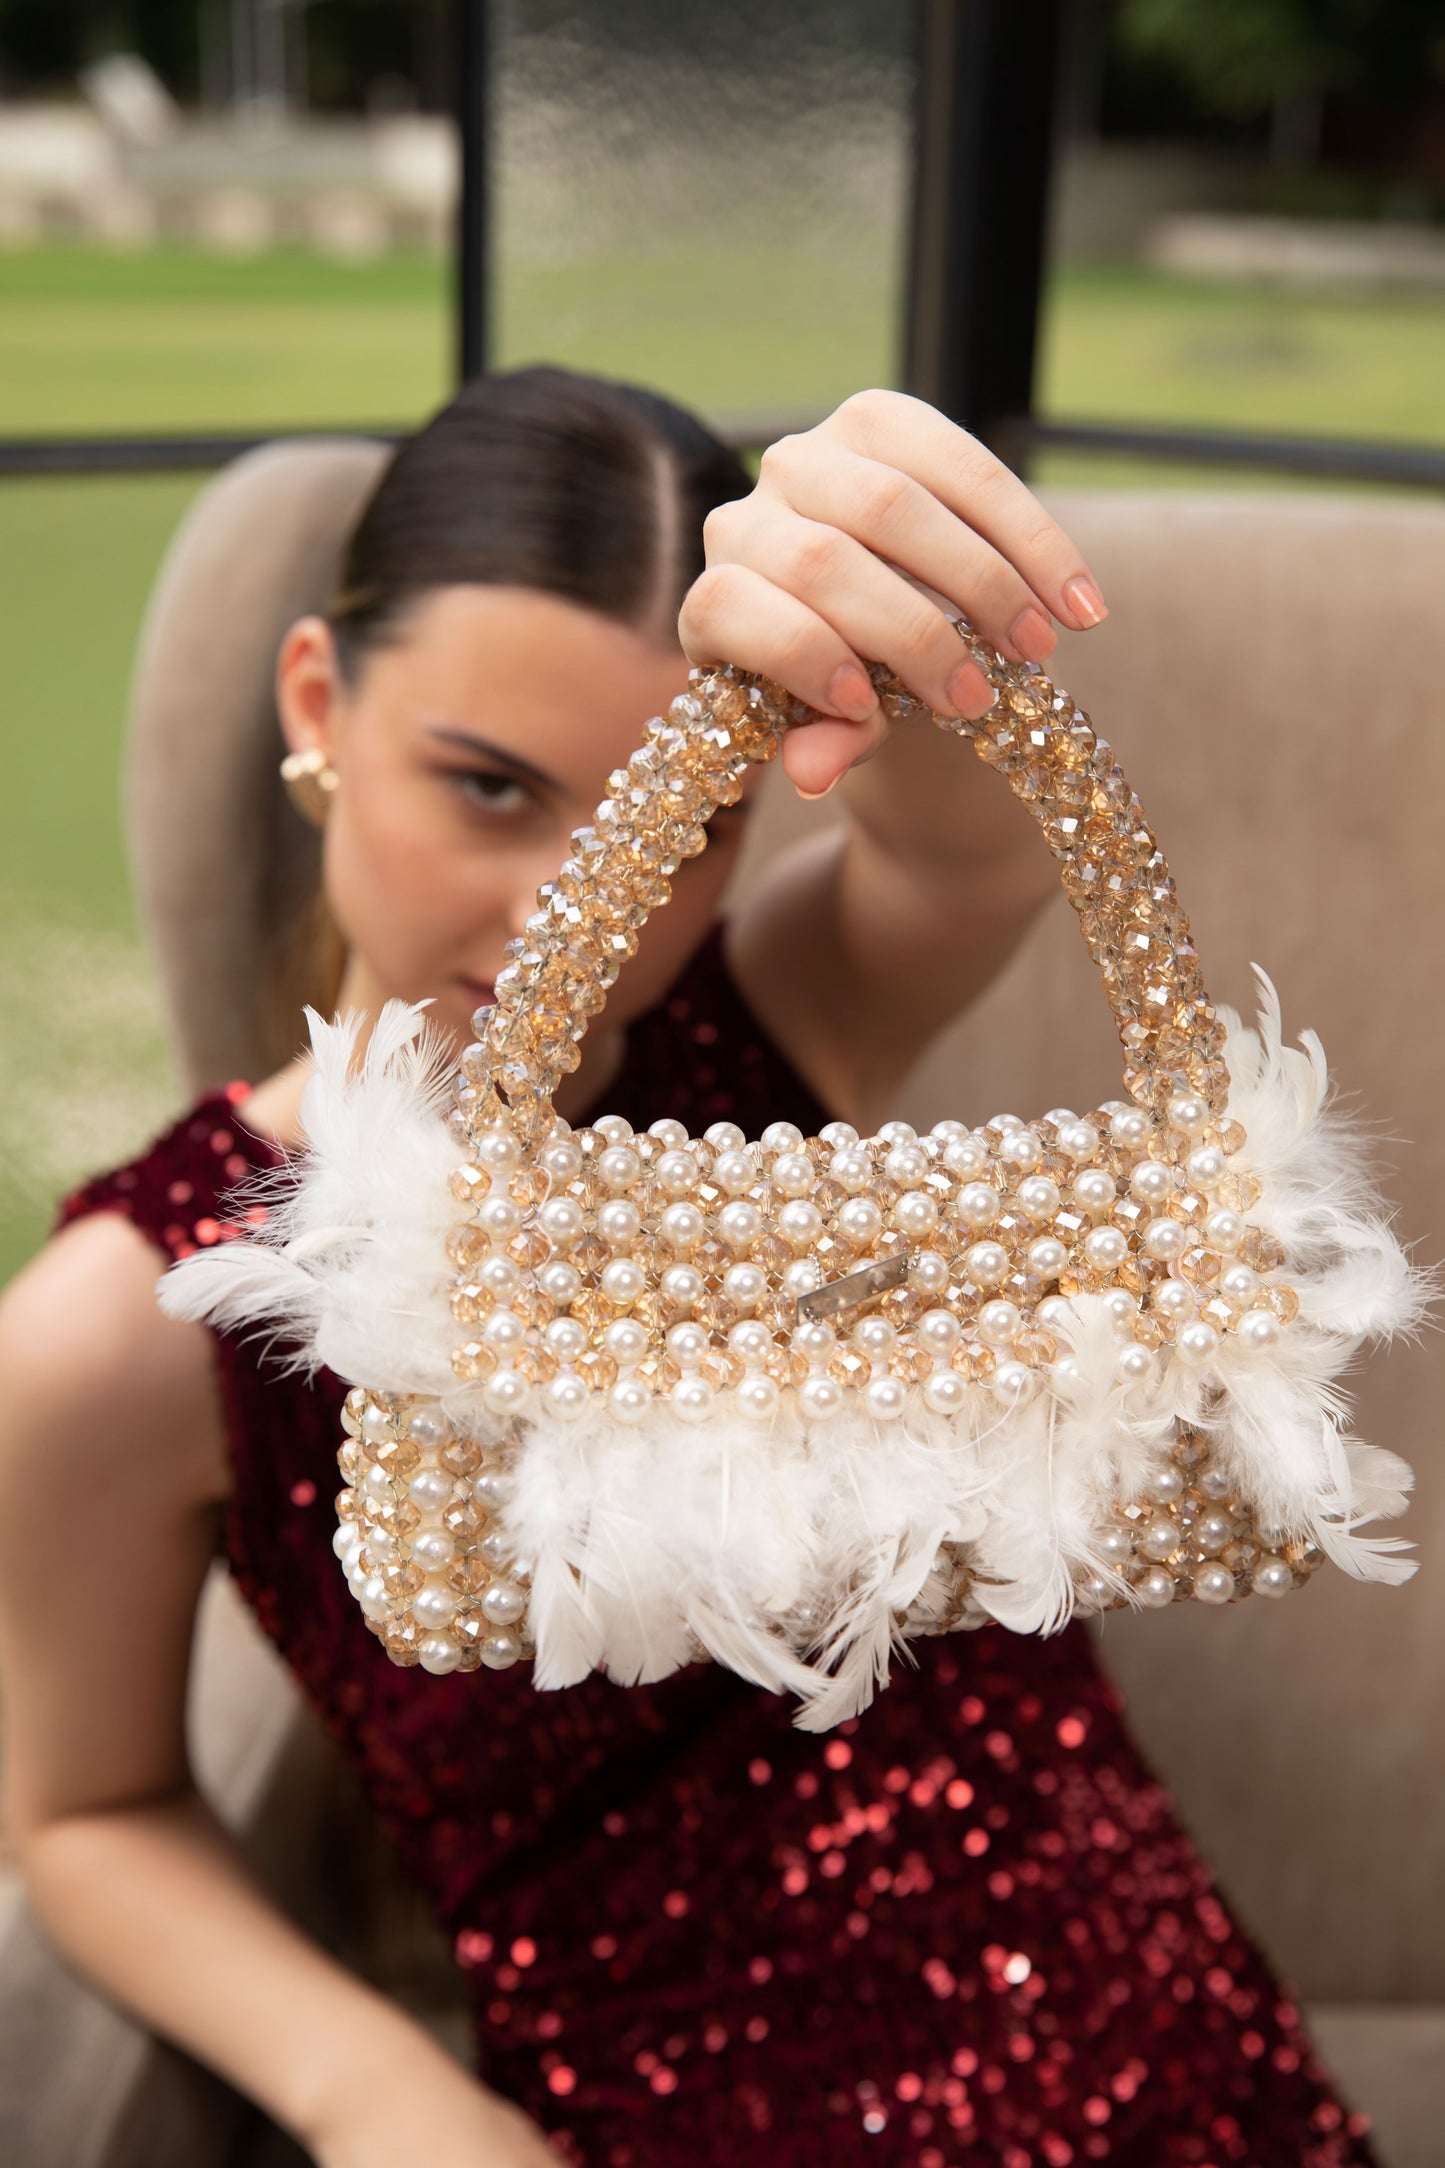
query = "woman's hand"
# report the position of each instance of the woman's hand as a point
(800, 580)
(439, 2115)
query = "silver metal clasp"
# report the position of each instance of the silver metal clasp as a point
(840, 1298)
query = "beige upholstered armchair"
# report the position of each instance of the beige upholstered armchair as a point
(1271, 675)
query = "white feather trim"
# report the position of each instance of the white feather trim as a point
(646, 1544)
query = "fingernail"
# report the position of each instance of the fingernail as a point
(810, 795)
(1085, 602)
(850, 693)
(1033, 635)
(969, 691)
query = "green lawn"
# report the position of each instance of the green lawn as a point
(176, 340)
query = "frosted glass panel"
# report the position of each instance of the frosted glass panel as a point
(711, 200)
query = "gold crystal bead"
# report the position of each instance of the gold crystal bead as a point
(473, 1361)
(402, 1639)
(1282, 1300)
(469, 1184)
(461, 1457)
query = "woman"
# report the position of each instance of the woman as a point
(964, 1926)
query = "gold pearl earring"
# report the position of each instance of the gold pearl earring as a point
(310, 780)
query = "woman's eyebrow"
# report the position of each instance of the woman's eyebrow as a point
(466, 741)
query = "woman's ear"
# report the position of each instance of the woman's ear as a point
(308, 687)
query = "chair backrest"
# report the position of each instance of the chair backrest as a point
(1267, 674)
(1270, 674)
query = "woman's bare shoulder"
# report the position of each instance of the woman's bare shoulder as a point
(93, 1370)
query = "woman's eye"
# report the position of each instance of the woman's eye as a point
(493, 792)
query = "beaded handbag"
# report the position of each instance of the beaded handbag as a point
(623, 1401)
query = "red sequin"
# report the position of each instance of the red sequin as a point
(968, 1930)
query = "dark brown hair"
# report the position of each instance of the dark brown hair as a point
(542, 478)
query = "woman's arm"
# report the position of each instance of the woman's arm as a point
(110, 1468)
(904, 913)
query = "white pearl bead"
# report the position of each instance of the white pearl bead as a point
(860, 1221)
(837, 1134)
(503, 1603)
(683, 1284)
(1217, 1484)
(504, 1392)
(928, 1272)
(1156, 1589)
(498, 1150)
(1272, 1577)
(346, 1542)
(1047, 1257)
(916, 1214)
(1163, 1485)
(1239, 1281)
(561, 1221)
(618, 1223)
(1135, 1362)
(687, 1344)
(1022, 1148)
(758, 1396)
(1115, 1546)
(501, 1276)
(1014, 1381)
(820, 1396)
(1159, 1537)
(682, 1227)
(1079, 1140)
(999, 1124)
(896, 1132)
(1207, 1167)
(496, 1548)
(1213, 1584)
(978, 1204)
(744, 1286)
(734, 1172)
(907, 1165)
(427, 1427)
(1039, 1198)
(799, 1223)
(1095, 1189)
(1122, 1306)
(436, 1654)
(489, 1488)
(1257, 1331)
(1224, 1229)
(429, 1489)
(678, 1173)
(562, 1159)
(782, 1137)
(565, 1338)
(792, 1175)
(965, 1157)
(851, 1168)
(1212, 1530)
(500, 1651)
(1197, 1342)
(560, 1281)
(669, 1133)
(375, 1425)
(1105, 1248)
(945, 1392)
(434, 1605)
(377, 1481)
(939, 1332)
(1188, 1111)
(986, 1263)
(503, 1330)
(1151, 1181)
(691, 1400)
(1166, 1239)
(433, 1549)
(886, 1398)
(1092, 1592)
(750, 1340)
(814, 1338)
(739, 1224)
(999, 1324)
(724, 1136)
(1057, 1314)
(623, 1280)
(498, 1217)
(875, 1337)
(566, 1396)
(613, 1128)
(629, 1401)
(1131, 1129)
(625, 1340)
(1173, 1299)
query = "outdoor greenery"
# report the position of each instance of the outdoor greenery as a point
(166, 340)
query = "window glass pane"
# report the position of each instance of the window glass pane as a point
(710, 199)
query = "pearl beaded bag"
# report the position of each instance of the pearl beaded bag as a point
(623, 1401)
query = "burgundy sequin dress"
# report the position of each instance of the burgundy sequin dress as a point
(965, 1927)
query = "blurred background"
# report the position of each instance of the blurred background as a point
(224, 218)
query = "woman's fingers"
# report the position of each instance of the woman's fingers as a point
(965, 476)
(894, 516)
